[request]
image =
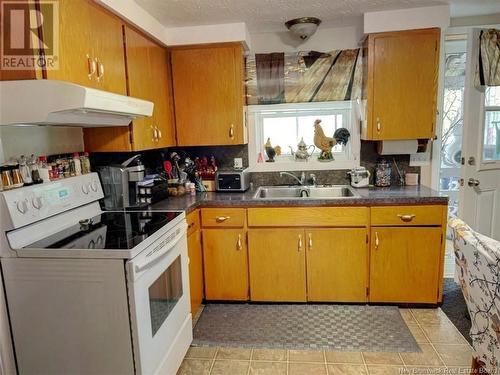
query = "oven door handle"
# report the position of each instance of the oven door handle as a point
(160, 250)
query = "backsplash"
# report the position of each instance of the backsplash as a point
(224, 156)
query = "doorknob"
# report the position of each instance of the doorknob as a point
(473, 182)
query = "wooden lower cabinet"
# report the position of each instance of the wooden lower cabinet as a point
(277, 265)
(405, 264)
(337, 264)
(226, 264)
(195, 270)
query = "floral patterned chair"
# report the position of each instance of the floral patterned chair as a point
(477, 259)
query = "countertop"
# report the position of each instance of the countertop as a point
(397, 195)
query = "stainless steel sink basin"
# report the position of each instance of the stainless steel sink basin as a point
(306, 192)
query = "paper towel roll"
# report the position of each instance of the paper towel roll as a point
(397, 147)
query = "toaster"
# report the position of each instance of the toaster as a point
(232, 180)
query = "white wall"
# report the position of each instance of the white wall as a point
(325, 39)
(38, 140)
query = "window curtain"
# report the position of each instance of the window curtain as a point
(488, 67)
(307, 76)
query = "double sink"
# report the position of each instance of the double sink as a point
(306, 192)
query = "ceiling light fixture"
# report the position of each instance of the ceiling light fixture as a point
(303, 27)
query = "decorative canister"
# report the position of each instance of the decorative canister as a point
(382, 173)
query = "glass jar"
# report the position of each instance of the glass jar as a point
(383, 173)
(7, 183)
(17, 178)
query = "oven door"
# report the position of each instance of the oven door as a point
(159, 303)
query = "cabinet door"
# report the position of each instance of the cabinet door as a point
(148, 78)
(404, 70)
(76, 45)
(337, 264)
(277, 264)
(195, 270)
(163, 116)
(107, 38)
(209, 95)
(404, 264)
(226, 264)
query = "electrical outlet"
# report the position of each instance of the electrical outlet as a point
(238, 163)
(420, 159)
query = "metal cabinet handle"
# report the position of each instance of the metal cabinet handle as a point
(100, 70)
(159, 133)
(92, 65)
(155, 134)
(379, 126)
(310, 241)
(472, 182)
(406, 218)
(300, 242)
(221, 219)
(238, 244)
(231, 131)
(377, 242)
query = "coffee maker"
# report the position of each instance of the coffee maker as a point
(120, 183)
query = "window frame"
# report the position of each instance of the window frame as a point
(484, 165)
(349, 160)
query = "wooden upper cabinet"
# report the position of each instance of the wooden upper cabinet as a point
(148, 78)
(108, 50)
(401, 84)
(209, 94)
(90, 47)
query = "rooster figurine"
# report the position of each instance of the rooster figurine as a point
(271, 151)
(325, 144)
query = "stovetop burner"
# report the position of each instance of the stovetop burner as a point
(108, 231)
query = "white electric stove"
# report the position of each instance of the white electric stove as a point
(91, 291)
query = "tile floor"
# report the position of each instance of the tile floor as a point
(443, 347)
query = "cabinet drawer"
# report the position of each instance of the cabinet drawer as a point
(407, 215)
(193, 221)
(308, 216)
(223, 217)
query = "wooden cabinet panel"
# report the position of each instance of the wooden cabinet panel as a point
(277, 265)
(148, 78)
(209, 94)
(107, 39)
(405, 264)
(76, 43)
(193, 221)
(407, 215)
(223, 217)
(308, 216)
(226, 264)
(402, 84)
(195, 270)
(337, 264)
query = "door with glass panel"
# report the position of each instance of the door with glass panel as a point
(480, 173)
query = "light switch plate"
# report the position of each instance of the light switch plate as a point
(420, 159)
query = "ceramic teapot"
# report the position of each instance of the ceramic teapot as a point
(302, 152)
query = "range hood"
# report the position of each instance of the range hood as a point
(48, 102)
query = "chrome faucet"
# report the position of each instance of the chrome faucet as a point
(301, 180)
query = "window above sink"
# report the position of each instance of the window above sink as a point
(287, 124)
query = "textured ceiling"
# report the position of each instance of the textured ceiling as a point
(269, 15)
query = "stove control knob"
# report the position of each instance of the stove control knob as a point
(37, 202)
(22, 206)
(85, 189)
(93, 186)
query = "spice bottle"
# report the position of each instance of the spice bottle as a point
(77, 164)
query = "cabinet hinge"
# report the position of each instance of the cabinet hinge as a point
(367, 238)
(441, 238)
